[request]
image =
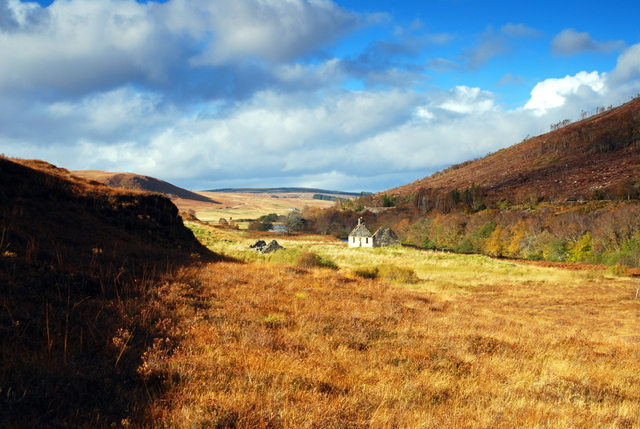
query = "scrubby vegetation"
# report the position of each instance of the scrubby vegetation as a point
(571, 195)
(114, 316)
(468, 342)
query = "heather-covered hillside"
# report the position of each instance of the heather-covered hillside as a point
(595, 158)
(78, 267)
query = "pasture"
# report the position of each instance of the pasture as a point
(465, 342)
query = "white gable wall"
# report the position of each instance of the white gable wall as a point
(360, 241)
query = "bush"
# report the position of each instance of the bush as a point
(313, 260)
(398, 274)
(367, 272)
(389, 272)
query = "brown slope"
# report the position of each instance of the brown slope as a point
(144, 183)
(80, 264)
(597, 154)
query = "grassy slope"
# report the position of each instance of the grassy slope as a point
(79, 264)
(139, 182)
(475, 343)
(557, 166)
(252, 206)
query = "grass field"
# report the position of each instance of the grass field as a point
(252, 206)
(466, 342)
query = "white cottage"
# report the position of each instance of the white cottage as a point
(360, 236)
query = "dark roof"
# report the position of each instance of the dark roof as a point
(360, 231)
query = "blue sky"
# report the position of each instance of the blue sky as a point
(350, 95)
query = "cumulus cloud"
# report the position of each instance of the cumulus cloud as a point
(570, 42)
(78, 46)
(552, 93)
(245, 93)
(272, 30)
(627, 69)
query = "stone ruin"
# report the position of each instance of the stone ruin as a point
(264, 248)
(385, 237)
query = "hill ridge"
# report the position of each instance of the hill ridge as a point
(599, 154)
(141, 182)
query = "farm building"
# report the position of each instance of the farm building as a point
(362, 237)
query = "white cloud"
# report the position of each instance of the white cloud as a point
(87, 45)
(553, 93)
(273, 30)
(468, 100)
(570, 42)
(83, 45)
(628, 66)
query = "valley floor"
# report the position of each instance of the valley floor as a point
(473, 343)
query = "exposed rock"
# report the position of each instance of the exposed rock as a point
(262, 247)
(273, 246)
(258, 244)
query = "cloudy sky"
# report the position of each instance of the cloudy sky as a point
(356, 95)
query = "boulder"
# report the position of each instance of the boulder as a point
(258, 244)
(273, 246)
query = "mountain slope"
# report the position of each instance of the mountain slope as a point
(599, 155)
(142, 183)
(80, 264)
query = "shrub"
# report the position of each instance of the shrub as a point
(313, 260)
(388, 272)
(398, 274)
(367, 272)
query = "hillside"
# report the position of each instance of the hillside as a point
(78, 265)
(596, 157)
(143, 183)
(285, 191)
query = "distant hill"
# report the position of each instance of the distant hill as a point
(141, 183)
(597, 157)
(285, 191)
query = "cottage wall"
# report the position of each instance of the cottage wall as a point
(360, 241)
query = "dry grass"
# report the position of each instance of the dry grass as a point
(252, 206)
(280, 346)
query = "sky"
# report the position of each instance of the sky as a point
(351, 95)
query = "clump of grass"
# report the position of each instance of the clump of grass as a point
(619, 270)
(367, 272)
(313, 260)
(398, 274)
(391, 273)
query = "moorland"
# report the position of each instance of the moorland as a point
(513, 302)
(116, 312)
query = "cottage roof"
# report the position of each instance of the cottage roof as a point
(386, 237)
(360, 230)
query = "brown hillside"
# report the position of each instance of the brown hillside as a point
(181, 197)
(79, 264)
(600, 154)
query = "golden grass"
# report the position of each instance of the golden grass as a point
(477, 343)
(252, 206)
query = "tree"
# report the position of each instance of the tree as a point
(294, 222)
